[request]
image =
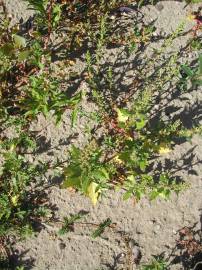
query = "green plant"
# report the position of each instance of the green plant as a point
(86, 172)
(134, 142)
(193, 74)
(101, 228)
(43, 95)
(68, 223)
(48, 14)
(157, 264)
(18, 202)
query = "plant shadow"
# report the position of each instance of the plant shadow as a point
(188, 249)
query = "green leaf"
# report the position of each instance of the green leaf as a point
(143, 165)
(188, 71)
(19, 41)
(7, 49)
(154, 194)
(131, 178)
(101, 228)
(123, 115)
(127, 195)
(74, 116)
(75, 152)
(72, 176)
(138, 194)
(200, 64)
(141, 122)
(56, 14)
(100, 174)
(68, 222)
(23, 55)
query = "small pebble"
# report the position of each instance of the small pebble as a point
(136, 254)
(159, 7)
(120, 258)
(62, 245)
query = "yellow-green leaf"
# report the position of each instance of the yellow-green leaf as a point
(123, 115)
(164, 149)
(92, 192)
(19, 41)
(14, 200)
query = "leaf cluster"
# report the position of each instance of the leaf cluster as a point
(18, 208)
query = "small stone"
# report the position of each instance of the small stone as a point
(159, 6)
(120, 258)
(62, 245)
(136, 253)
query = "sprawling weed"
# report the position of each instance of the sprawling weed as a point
(18, 201)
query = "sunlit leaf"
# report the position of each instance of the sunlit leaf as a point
(117, 160)
(14, 200)
(19, 41)
(92, 192)
(164, 149)
(100, 174)
(123, 115)
(141, 122)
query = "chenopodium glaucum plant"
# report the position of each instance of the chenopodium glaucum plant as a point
(86, 172)
(44, 95)
(93, 169)
(18, 202)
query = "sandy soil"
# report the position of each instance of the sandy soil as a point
(152, 225)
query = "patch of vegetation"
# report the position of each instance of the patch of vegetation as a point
(122, 154)
(157, 264)
(20, 206)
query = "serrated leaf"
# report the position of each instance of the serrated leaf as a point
(101, 228)
(23, 55)
(19, 42)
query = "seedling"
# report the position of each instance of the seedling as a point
(157, 264)
(68, 223)
(99, 231)
(193, 74)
